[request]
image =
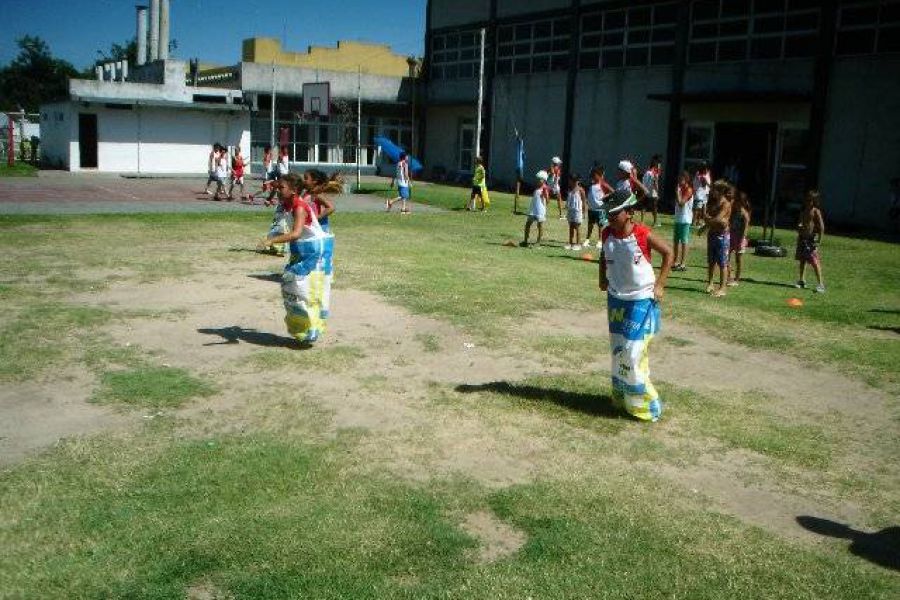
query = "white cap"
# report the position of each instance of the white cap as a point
(556, 160)
(626, 166)
(542, 175)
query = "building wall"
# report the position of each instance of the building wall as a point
(257, 78)
(534, 105)
(861, 148)
(442, 136)
(146, 139)
(376, 59)
(614, 118)
(449, 13)
(794, 75)
(509, 8)
(57, 124)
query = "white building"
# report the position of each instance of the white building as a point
(152, 123)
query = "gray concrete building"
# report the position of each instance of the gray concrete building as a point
(795, 93)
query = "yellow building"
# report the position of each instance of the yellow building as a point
(375, 59)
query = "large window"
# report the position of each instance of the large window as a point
(737, 30)
(632, 37)
(455, 55)
(534, 47)
(868, 27)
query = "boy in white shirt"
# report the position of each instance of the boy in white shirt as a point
(633, 296)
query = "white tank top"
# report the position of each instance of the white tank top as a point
(628, 267)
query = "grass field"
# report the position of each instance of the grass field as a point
(395, 461)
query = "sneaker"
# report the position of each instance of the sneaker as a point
(800, 284)
(732, 283)
(576, 247)
(208, 193)
(820, 289)
(587, 243)
(567, 247)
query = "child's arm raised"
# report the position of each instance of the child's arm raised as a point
(667, 255)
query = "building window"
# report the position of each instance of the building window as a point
(628, 37)
(868, 28)
(739, 30)
(534, 47)
(455, 55)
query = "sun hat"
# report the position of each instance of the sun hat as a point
(626, 166)
(556, 160)
(542, 175)
(619, 199)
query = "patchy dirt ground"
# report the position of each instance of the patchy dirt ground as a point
(391, 386)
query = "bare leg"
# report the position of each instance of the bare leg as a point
(540, 233)
(817, 267)
(527, 231)
(655, 210)
(709, 277)
(738, 261)
(802, 271)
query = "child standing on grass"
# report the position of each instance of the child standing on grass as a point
(479, 187)
(596, 212)
(305, 284)
(401, 178)
(651, 182)
(574, 212)
(716, 217)
(684, 215)
(537, 211)
(702, 183)
(633, 296)
(810, 230)
(738, 229)
(554, 174)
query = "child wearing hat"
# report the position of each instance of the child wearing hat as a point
(537, 211)
(633, 295)
(554, 174)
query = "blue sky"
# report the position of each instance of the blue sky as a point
(211, 30)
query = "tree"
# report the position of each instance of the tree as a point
(116, 52)
(34, 77)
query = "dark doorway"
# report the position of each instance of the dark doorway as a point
(746, 152)
(87, 140)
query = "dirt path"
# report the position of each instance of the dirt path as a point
(401, 362)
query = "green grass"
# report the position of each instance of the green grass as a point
(19, 169)
(295, 506)
(258, 517)
(151, 387)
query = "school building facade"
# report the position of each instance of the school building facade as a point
(795, 93)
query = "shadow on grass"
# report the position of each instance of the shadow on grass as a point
(772, 283)
(686, 289)
(592, 260)
(881, 547)
(597, 405)
(885, 311)
(236, 334)
(273, 277)
(884, 328)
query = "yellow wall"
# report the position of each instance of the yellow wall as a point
(375, 59)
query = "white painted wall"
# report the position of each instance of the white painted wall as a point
(56, 134)
(146, 139)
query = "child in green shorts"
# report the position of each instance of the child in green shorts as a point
(684, 216)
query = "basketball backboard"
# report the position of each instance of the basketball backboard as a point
(317, 99)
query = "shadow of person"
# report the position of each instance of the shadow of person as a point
(764, 282)
(598, 405)
(273, 277)
(881, 547)
(236, 334)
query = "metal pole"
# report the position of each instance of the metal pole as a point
(480, 96)
(272, 123)
(358, 126)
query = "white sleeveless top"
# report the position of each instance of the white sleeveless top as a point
(628, 267)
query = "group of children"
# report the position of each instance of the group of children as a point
(222, 169)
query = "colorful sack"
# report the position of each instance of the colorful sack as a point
(306, 283)
(279, 226)
(632, 325)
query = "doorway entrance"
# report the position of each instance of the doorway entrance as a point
(745, 155)
(87, 140)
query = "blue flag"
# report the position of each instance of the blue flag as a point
(520, 157)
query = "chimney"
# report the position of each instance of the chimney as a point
(142, 33)
(123, 70)
(98, 71)
(163, 51)
(153, 37)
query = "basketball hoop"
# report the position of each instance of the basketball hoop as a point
(317, 99)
